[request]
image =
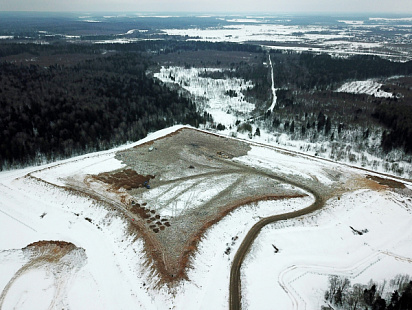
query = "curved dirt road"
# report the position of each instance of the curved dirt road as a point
(235, 290)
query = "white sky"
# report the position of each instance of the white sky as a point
(269, 6)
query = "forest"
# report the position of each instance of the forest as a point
(309, 71)
(307, 101)
(342, 295)
(59, 111)
(62, 99)
(77, 98)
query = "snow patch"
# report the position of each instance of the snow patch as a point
(369, 87)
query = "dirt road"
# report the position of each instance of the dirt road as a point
(235, 290)
(235, 281)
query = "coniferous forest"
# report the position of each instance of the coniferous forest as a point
(58, 111)
(64, 99)
(77, 98)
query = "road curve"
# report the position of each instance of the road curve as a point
(235, 290)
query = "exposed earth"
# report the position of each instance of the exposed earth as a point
(193, 182)
(172, 189)
(173, 215)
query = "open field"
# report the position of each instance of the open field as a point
(172, 245)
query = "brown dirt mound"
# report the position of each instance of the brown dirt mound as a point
(50, 250)
(60, 244)
(126, 178)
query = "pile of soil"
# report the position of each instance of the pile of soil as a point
(125, 178)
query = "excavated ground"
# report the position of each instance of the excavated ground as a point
(193, 182)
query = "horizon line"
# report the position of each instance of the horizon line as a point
(212, 13)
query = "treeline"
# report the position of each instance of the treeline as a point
(9, 49)
(308, 71)
(369, 297)
(398, 118)
(59, 111)
(150, 46)
(307, 84)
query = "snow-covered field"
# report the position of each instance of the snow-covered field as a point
(369, 87)
(323, 244)
(211, 97)
(259, 32)
(387, 38)
(108, 269)
(224, 108)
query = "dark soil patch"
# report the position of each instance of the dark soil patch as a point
(42, 243)
(388, 182)
(126, 178)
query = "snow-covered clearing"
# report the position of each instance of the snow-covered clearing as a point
(260, 32)
(369, 87)
(224, 108)
(109, 270)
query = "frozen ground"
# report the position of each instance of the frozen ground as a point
(224, 108)
(211, 97)
(369, 87)
(108, 269)
(389, 38)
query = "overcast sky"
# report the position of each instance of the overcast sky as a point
(269, 6)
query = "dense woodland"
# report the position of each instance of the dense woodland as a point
(151, 47)
(398, 119)
(59, 111)
(74, 98)
(310, 71)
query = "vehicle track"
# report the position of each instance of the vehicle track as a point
(235, 291)
(235, 281)
(235, 284)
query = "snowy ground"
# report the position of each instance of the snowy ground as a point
(109, 270)
(210, 96)
(369, 87)
(225, 109)
(346, 37)
(312, 248)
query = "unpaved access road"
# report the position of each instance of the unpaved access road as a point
(235, 290)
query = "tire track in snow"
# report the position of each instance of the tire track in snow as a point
(3, 194)
(17, 220)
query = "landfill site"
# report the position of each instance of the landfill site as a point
(173, 188)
